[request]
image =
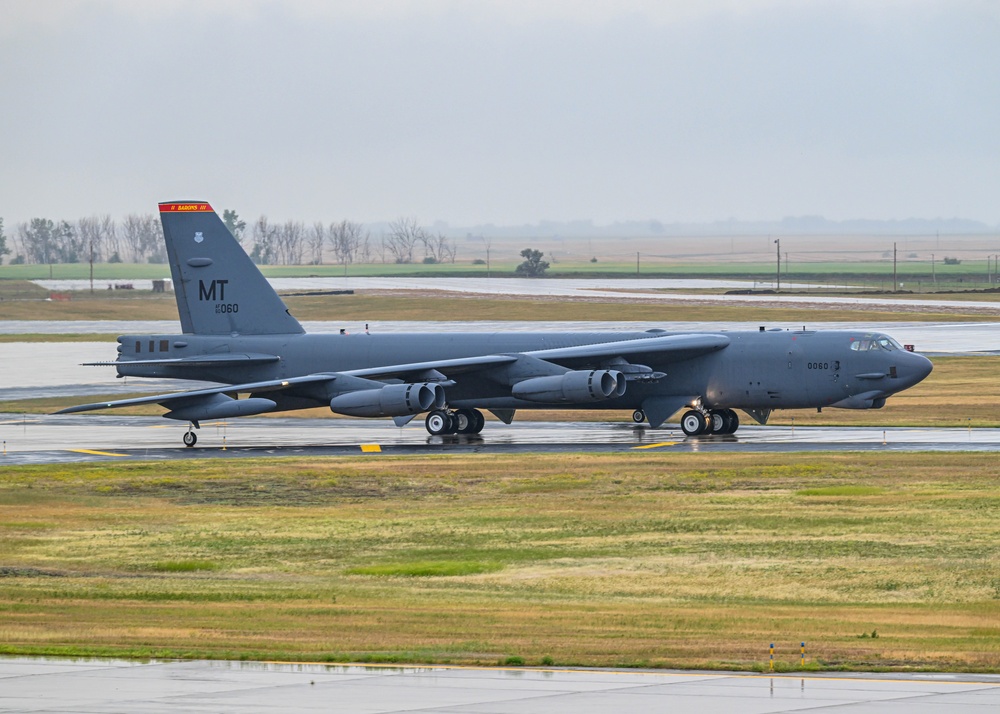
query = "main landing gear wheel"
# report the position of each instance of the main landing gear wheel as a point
(438, 422)
(638, 416)
(190, 438)
(694, 423)
(723, 421)
(462, 421)
(732, 422)
(468, 421)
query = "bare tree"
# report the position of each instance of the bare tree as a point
(110, 238)
(91, 237)
(290, 238)
(438, 248)
(403, 236)
(348, 240)
(314, 241)
(264, 242)
(142, 237)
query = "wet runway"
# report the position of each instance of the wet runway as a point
(110, 686)
(73, 438)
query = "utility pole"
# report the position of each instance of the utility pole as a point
(777, 274)
(637, 264)
(933, 272)
(91, 265)
(895, 285)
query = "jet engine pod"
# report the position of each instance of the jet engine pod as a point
(390, 400)
(572, 387)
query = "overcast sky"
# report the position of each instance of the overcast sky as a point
(503, 111)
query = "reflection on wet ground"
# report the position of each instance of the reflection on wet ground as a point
(102, 437)
(64, 685)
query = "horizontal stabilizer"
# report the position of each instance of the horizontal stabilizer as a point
(219, 360)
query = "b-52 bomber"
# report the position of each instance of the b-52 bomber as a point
(237, 332)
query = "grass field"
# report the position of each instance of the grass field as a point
(623, 264)
(877, 561)
(362, 307)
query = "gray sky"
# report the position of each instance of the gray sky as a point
(503, 111)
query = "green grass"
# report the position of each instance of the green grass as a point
(638, 559)
(870, 272)
(427, 569)
(851, 490)
(182, 566)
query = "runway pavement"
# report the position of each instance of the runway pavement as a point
(110, 687)
(87, 437)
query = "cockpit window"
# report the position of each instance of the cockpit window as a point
(881, 342)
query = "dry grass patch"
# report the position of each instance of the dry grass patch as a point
(624, 559)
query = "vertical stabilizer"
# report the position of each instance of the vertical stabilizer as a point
(219, 290)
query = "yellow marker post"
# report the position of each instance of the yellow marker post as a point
(772, 656)
(223, 442)
(802, 662)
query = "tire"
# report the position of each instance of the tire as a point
(693, 423)
(465, 421)
(480, 421)
(718, 420)
(438, 422)
(638, 416)
(190, 438)
(733, 420)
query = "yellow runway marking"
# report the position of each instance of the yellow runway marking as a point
(95, 453)
(656, 446)
(371, 448)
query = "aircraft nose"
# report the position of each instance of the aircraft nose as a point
(915, 369)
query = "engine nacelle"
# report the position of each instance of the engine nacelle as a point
(220, 406)
(572, 387)
(390, 400)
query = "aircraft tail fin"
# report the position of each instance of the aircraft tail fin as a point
(219, 290)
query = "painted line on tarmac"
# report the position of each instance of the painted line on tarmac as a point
(657, 445)
(371, 449)
(95, 453)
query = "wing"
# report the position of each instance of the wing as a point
(385, 396)
(177, 399)
(658, 350)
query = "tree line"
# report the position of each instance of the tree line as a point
(139, 239)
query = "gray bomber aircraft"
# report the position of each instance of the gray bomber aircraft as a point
(238, 332)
